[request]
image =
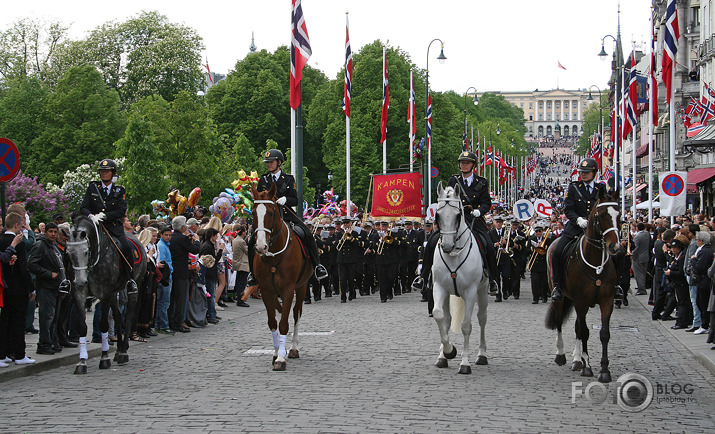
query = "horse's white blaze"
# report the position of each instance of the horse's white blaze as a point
(614, 216)
(261, 244)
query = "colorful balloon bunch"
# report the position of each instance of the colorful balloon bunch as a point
(175, 204)
(235, 202)
(330, 208)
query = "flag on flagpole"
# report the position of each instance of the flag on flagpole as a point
(299, 52)
(348, 69)
(631, 99)
(429, 121)
(670, 46)
(385, 97)
(488, 158)
(561, 66)
(208, 70)
(653, 82)
(411, 113)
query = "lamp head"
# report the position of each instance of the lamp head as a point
(590, 97)
(602, 55)
(498, 131)
(441, 56)
(475, 100)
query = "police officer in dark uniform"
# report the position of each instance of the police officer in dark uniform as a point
(476, 203)
(105, 203)
(286, 197)
(581, 196)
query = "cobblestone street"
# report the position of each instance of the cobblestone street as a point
(366, 366)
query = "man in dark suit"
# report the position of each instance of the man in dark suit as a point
(286, 197)
(581, 197)
(539, 282)
(641, 255)
(350, 252)
(180, 247)
(387, 261)
(105, 203)
(476, 202)
(498, 237)
(18, 289)
(370, 243)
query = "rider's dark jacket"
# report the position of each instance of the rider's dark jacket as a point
(475, 195)
(285, 187)
(113, 206)
(579, 203)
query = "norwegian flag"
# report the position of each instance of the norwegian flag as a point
(631, 99)
(574, 169)
(299, 52)
(385, 97)
(429, 121)
(694, 129)
(489, 157)
(707, 105)
(653, 83)
(208, 71)
(608, 174)
(348, 69)
(691, 111)
(411, 116)
(670, 46)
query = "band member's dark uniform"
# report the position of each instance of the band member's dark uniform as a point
(371, 240)
(387, 261)
(500, 239)
(286, 197)
(350, 252)
(476, 203)
(538, 245)
(581, 197)
(519, 249)
(105, 203)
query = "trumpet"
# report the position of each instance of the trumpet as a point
(506, 248)
(387, 238)
(539, 250)
(347, 236)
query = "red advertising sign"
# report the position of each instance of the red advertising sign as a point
(397, 195)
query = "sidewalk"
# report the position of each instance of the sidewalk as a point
(70, 356)
(694, 343)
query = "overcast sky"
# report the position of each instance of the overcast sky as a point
(491, 45)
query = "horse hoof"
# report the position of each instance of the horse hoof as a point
(481, 360)
(442, 363)
(604, 377)
(105, 364)
(80, 369)
(452, 354)
(121, 359)
(293, 354)
(560, 359)
(586, 372)
(279, 366)
(576, 365)
(465, 369)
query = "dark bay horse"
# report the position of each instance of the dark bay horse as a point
(281, 270)
(97, 270)
(590, 279)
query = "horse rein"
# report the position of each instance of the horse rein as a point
(272, 237)
(453, 273)
(75, 243)
(599, 244)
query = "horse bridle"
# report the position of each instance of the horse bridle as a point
(599, 244)
(86, 241)
(456, 240)
(272, 237)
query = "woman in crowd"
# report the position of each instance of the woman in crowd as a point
(146, 302)
(215, 223)
(700, 262)
(210, 236)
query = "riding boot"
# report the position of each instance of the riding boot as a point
(621, 270)
(489, 257)
(250, 280)
(556, 294)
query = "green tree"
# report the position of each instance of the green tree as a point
(143, 56)
(82, 121)
(592, 123)
(29, 48)
(22, 104)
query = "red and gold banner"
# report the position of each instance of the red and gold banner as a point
(397, 195)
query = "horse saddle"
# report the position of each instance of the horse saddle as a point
(301, 235)
(569, 252)
(136, 256)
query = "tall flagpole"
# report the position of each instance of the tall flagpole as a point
(633, 152)
(411, 121)
(384, 144)
(348, 203)
(651, 104)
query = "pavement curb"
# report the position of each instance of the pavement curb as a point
(688, 340)
(14, 371)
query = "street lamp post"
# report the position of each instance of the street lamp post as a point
(428, 160)
(475, 101)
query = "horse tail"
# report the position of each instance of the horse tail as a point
(456, 311)
(556, 317)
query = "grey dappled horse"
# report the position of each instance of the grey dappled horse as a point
(96, 260)
(459, 280)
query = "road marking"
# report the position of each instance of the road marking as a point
(618, 328)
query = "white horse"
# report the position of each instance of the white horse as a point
(458, 280)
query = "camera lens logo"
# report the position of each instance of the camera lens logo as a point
(634, 393)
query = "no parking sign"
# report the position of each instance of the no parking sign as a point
(672, 193)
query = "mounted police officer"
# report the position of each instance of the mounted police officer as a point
(581, 197)
(286, 197)
(476, 203)
(105, 203)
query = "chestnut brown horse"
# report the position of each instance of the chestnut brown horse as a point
(590, 279)
(281, 270)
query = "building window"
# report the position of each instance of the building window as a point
(531, 117)
(585, 104)
(566, 116)
(548, 104)
(566, 104)
(548, 130)
(521, 105)
(548, 117)
(531, 105)
(531, 129)
(566, 130)
(541, 130)
(558, 104)
(558, 116)
(541, 117)
(541, 104)
(574, 130)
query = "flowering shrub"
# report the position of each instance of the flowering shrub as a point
(39, 203)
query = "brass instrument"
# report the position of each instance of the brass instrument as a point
(506, 248)
(387, 238)
(626, 235)
(347, 236)
(540, 250)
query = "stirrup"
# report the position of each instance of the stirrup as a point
(418, 284)
(251, 281)
(320, 272)
(132, 287)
